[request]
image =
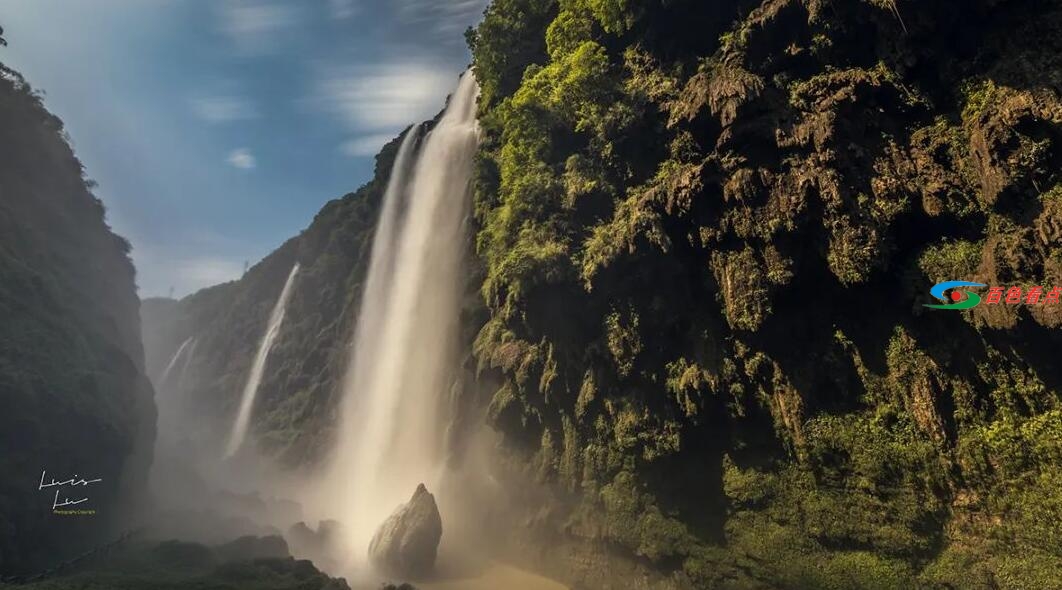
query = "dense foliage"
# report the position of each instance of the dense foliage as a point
(705, 245)
(73, 394)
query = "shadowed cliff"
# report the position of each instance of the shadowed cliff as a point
(75, 400)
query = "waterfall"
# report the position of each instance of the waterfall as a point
(375, 297)
(173, 362)
(169, 390)
(250, 389)
(392, 429)
(179, 385)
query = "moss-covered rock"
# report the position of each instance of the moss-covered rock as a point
(756, 211)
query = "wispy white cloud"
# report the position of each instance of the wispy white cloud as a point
(242, 158)
(365, 145)
(386, 97)
(222, 109)
(253, 25)
(445, 17)
(342, 9)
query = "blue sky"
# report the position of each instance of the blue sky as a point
(216, 129)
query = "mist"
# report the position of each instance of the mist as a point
(402, 417)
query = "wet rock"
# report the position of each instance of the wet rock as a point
(407, 542)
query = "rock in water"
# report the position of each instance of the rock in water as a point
(407, 542)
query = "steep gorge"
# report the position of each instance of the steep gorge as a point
(703, 247)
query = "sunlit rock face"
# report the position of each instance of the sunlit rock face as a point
(407, 542)
(707, 244)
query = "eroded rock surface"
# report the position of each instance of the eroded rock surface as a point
(407, 542)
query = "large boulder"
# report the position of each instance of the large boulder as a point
(407, 542)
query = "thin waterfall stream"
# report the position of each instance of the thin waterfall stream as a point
(254, 378)
(173, 362)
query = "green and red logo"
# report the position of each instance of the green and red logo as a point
(960, 299)
(963, 299)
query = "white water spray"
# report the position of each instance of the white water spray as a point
(250, 389)
(393, 421)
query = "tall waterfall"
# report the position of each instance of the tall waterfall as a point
(404, 352)
(250, 389)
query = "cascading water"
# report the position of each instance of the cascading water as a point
(169, 388)
(375, 297)
(405, 342)
(188, 356)
(173, 362)
(250, 389)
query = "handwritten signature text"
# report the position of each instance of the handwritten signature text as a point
(73, 482)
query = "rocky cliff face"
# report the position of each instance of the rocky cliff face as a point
(707, 243)
(76, 403)
(706, 232)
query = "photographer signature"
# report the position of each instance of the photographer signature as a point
(73, 482)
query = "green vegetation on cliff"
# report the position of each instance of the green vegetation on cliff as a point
(74, 399)
(706, 243)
